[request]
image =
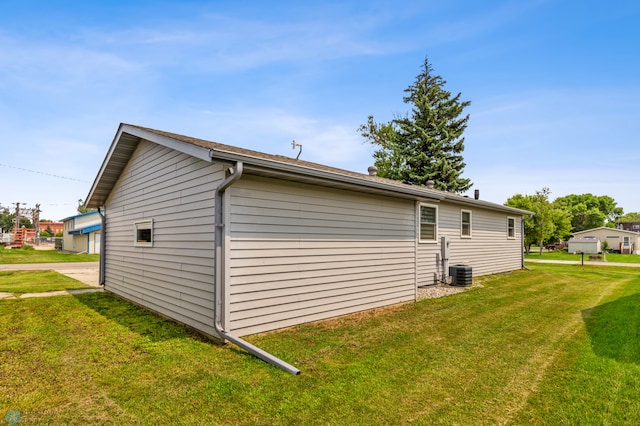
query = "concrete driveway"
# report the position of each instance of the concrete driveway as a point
(85, 272)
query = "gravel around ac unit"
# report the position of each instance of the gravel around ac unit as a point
(438, 291)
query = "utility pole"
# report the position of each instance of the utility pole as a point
(35, 215)
(17, 219)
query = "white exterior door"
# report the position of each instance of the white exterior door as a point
(626, 244)
(96, 243)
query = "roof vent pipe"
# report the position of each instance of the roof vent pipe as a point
(373, 171)
(476, 194)
(430, 184)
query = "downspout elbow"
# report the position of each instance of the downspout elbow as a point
(235, 174)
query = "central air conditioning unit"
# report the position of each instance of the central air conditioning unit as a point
(461, 275)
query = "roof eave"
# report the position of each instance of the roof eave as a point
(122, 147)
(457, 199)
(128, 137)
(324, 178)
(606, 228)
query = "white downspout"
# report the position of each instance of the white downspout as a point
(103, 245)
(522, 243)
(220, 266)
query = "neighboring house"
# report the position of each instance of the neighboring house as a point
(618, 240)
(234, 242)
(629, 226)
(82, 233)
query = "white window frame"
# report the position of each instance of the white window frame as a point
(140, 226)
(511, 237)
(462, 234)
(435, 224)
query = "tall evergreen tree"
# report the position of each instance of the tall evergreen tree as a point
(427, 144)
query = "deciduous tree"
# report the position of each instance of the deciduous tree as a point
(630, 217)
(549, 223)
(590, 211)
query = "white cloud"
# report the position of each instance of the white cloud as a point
(56, 67)
(272, 130)
(473, 24)
(221, 43)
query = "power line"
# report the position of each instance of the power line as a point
(43, 173)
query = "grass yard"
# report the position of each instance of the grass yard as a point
(14, 256)
(554, 345)
(563, 255)
(20, 282)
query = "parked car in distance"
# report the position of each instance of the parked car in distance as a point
(556, 246)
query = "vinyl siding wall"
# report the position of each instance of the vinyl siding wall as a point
(301, 253)
(295, 253)
(487, 251)
(174, 277)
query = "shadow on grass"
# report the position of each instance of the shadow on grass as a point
(150, 325)
(614, 329)
(137, 319)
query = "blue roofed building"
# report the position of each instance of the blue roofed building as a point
(82, 233)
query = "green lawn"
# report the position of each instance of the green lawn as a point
(563, 255)
(13, 256)
(20, 282)
(554, 345)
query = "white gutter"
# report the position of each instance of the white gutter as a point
(219, 297)
(325, 176)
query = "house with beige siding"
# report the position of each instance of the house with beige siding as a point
(234, 242)
(618, 240)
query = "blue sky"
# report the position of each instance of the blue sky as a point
(553, 86)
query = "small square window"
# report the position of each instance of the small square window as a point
(143, 233)
(511, 227)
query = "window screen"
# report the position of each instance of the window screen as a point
(465, 219)
(511, 227)
(428, 225)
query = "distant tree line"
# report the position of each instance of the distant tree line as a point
(556, 220)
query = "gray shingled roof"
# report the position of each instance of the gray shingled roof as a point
(128, 136)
